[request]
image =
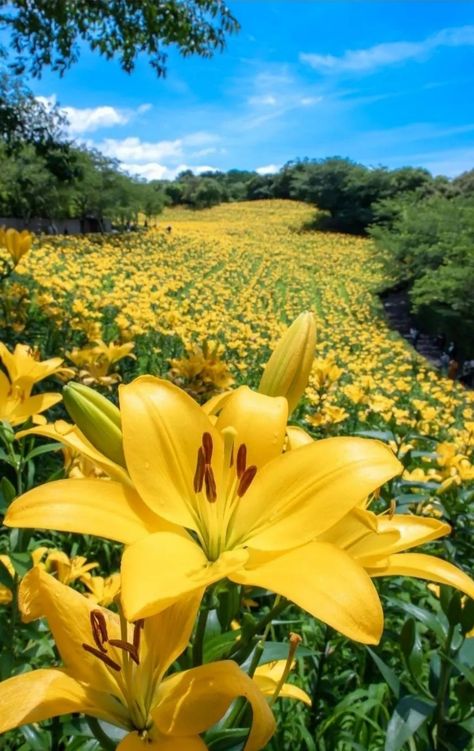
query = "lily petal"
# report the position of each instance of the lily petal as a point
(92, 507)
(268, 685)
(302, 493)
(163, 429)
(68, 614)
(297, 437)
(428, 567)
(195, 700)
(34, 405)
(413, 530)
(326, 582)
(260, 423)
(133, 742)
(71, 436)
(39, 695)
(163, 567)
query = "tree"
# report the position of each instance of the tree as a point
(49, 33)
(24, 119)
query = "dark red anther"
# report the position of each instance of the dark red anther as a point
(207, 446)
(105, 658)
(127, 647)
(99, 629)
(211, 488)
(246, 480)
(241, 460)
(137, 630)
(199, 473)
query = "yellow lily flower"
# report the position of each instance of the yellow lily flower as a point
(215, 500)
(23, 371)
(114, 671)
(378, 543)
(17, 243)
(6, 595)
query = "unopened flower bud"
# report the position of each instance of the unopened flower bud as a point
(287, 371)
(98, 418)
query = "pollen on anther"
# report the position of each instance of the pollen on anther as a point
(207, 446)
(241, 460)
(246, 480)
(199, 473)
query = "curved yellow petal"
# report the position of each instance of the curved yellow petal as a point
(327, 583)
(413, 530)
(193, 701)
(260, 423)
(422, 566)
(68, 614)
(297, 437)
(33, 406)
(162, 433)
(163, 567)
(302, 493)
(71, 436)
(357, 525)
(135, 742)
(41, 694)
(104, 508)
(167, 634)
(215, 403)
(288, 691)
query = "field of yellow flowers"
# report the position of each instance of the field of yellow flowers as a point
(201, 299)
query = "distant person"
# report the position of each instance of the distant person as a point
(169, 229)
(444, 361)
(414, 335)
(453, 368)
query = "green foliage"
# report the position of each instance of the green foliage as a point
(429, 244)
(49, 34)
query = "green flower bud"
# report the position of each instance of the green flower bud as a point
(97, 418)
(287, 371)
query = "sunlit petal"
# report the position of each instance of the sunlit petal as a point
(428, 567)
(162, 568)
(163, 429)
(93, 507)
(135, 742)
(195, 700)
(301, 494)
(260, 423)
(327, 583)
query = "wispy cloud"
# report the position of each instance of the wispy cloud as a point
(268, 169)
(157, 171)
(389, 53)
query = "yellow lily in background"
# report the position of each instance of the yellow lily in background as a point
(17, 243)
(93, 364)
(378, 543)
(114, 671)
(6, 595)
(218, 499)
(23, 370)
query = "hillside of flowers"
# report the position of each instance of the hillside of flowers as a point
(133, 367)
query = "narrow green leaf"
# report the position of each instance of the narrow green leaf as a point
(410, 714)
(391, 679)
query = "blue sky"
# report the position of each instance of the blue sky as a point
(380, 82)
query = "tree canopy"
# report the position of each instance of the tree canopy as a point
(49, 33)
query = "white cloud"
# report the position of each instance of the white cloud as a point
(88, 119)
(380, 55)
(156, 171)
(269, 169)
(308, 101)
(133, 150)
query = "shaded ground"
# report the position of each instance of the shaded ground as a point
(397, 309)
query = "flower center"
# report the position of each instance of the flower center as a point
(217, 506)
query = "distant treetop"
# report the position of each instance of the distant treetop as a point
(48, 33)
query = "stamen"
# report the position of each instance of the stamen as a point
(211, 488)
(207, 446)
(99, 629)
(130, 648)
(199, 474)
(241, 460)
(246, 480)
(137, 630)
(105, 658)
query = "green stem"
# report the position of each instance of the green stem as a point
(198, 645)
(106, 743)
(443, 690)
(241, 651)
